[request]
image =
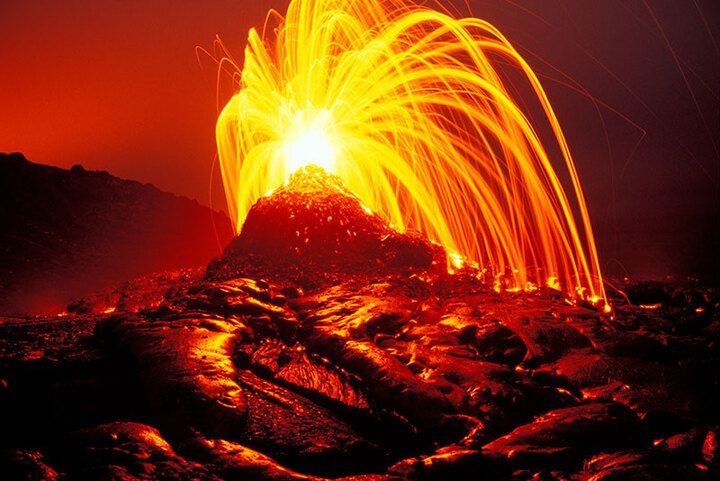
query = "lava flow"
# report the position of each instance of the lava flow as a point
(325, 344)
(412, 109)
(315, 232)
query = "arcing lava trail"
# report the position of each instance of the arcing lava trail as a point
(438, 124)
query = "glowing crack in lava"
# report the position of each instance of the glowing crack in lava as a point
(413, 110)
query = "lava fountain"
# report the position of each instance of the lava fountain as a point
(412, 108)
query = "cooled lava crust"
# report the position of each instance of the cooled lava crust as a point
(324, 344)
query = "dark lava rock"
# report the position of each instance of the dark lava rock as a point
(546, 339)
(323, 344)
(449, 463)
(26, 465)
(568, 434)
(641, 466)
(233, 461)
(300, 433)
(496, 343)
(126, 451)
(200, 378)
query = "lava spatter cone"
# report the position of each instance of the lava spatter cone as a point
(313, 229)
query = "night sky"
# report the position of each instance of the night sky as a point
(117, 85)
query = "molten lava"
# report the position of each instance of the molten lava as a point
(413, 110)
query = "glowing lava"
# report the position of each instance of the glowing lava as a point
(413, 110)
(311, 143)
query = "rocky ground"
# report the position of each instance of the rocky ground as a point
(325, 345)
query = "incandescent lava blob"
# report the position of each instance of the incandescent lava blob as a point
(412, 109)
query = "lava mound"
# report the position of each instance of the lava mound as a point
(313, 229)
(324, 345)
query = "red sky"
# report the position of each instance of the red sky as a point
(115, 85)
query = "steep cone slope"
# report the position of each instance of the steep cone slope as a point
(313, 230)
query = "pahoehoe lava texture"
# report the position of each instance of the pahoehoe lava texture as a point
(324, 344)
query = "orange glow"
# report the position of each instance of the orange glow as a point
(412, 109)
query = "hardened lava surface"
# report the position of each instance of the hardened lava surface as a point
(324, 344)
